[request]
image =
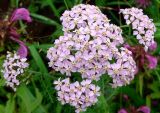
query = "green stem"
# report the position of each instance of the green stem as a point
(123, 26)
(114, 93)
(53, 8)
(157, 74)
(65, 2)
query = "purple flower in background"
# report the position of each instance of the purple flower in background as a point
(122, 111)
(142, 57)
(22, 51)
(152, 61)
(143, 3)
(21, 14)
(153, 46)
(144, 109)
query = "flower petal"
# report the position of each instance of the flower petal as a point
(152, 61)
(22, 51)
(21, 14)
(144, 109)
(122, 111)
(153, 46)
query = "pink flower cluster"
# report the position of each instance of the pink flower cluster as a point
(142, 25)
(80, 95)
(13, 67)
(88, 20)
(90, 46)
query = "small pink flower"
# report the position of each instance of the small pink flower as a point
(144, 109)
(122, 111)
(21, 14)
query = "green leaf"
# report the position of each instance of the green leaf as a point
(10, 106)
(2, 82)
(54, 9)
(38, 100)
(148, 101)
(44, 72)
(133, 95)
(45, 20)
(141, 85)
(155, 95)
(43, 47)
(118, 3)
(38, 59)
(58, 107)
(2, 109)
(32, 104)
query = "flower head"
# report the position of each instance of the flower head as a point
(90, 46)
(143, 27)
(13, 67)
(80, 95)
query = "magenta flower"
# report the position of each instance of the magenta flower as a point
(122, 111)
(153, 46)
(144, 109)
(22, 51)
(152, 61)
(21, 14)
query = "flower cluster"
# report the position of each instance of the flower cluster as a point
(90, 46)
(80, 95)
(88, 20)
(13, 67)
(143, 27)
